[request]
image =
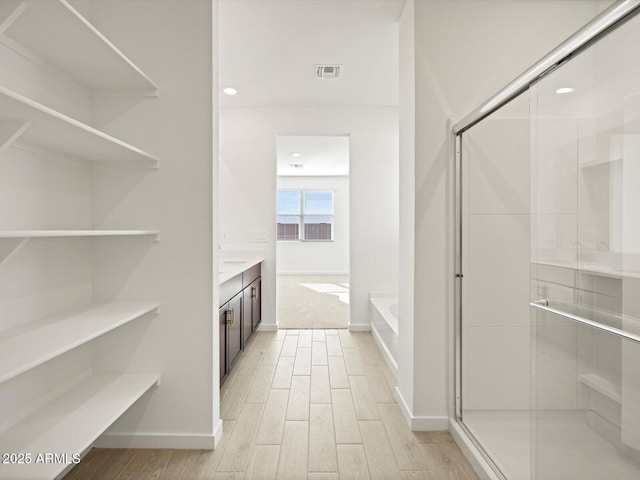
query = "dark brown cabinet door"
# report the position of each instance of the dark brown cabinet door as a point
(223, 344)
(256, 305)
(246, 316)
(234, 332)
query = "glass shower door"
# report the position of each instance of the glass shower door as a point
(585, 291)
(494, 327)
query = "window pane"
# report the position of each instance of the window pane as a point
(288, 227)
(317, 231)
(318, 227)
(288, 202)
(318, 203)
(318, 219)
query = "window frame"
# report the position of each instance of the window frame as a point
(301, 216)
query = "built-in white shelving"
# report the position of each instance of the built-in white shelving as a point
(74, 233)
(63, 38)
(30, 345)
(56, 43)
(71, 423)
(60, 133)
(601, 385)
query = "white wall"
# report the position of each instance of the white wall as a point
(465, 51)
(248, 186)
(318, 257)
(181, 342)
(496, 262)
(406, 257)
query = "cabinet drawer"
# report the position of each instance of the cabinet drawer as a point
(229, 289)
(250, 275)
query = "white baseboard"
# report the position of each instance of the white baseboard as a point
(217, 433)
(404, 408)
(429, 424)
(359, 327)
(267, 327)
(155, 440)
(420, 423)
(471, 453)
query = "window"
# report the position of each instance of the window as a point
(305, 215)
(289, 215)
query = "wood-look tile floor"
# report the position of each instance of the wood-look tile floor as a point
(300, 404)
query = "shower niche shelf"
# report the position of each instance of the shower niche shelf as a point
(601, 385)
(599, 162)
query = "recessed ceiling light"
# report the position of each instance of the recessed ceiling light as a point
(563, 90)
(295, 154)
(230, 91)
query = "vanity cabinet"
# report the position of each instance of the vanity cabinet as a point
(239, 315)
(231, 318)
(251, 283)
(256, 303)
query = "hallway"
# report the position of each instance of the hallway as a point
(314, 404)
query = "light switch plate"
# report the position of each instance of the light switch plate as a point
(258, 236)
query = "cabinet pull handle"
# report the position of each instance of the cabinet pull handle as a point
(229, 317)
(254, 292)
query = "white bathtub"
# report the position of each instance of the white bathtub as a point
(384, 327)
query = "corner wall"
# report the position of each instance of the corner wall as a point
(465, 51)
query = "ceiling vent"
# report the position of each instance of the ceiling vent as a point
(328, 71)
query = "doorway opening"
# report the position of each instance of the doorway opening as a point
(312, 251)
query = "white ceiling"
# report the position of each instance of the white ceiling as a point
(268, 50)
(324, 155)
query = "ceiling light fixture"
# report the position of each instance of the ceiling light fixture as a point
(564, 90)
(230, 91)
(296, 154)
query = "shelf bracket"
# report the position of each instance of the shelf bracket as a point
(10, 131)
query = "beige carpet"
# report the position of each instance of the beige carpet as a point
(313, 301)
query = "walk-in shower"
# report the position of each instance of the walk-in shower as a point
(548, 262)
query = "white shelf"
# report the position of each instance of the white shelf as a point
(601, 385)
(28, 346)
(73, 233)
(58, 33)
(59, 133)
(71, 423)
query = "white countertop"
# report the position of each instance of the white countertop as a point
(234, 262)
